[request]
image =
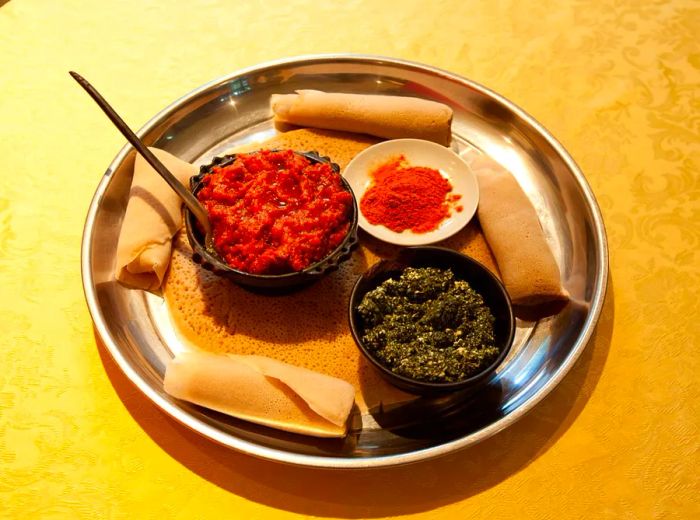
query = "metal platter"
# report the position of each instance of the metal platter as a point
(234, 110)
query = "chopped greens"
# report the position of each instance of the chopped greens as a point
(428, 326)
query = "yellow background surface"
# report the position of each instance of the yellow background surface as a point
(617, 82)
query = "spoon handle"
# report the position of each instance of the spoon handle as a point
(192, 203)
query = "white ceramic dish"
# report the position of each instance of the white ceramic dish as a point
(417, 153)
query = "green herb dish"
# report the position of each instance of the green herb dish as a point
(432, 320)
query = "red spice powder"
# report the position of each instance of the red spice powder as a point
(407, 197)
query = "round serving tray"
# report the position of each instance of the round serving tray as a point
(234, 110)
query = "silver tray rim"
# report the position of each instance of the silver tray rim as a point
(597, 300)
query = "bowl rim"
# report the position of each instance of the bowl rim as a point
(427, 385)
(314, 269)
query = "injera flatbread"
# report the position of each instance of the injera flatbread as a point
(530, 272)
(391, 117)
(151, 220)
(308, 328)
(263, 391)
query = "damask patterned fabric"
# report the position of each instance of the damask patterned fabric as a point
(617, 82)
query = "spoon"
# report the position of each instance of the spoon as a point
(190, 201)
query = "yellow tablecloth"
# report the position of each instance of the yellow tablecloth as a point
(616, 81)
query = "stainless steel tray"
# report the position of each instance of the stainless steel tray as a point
(234, 109)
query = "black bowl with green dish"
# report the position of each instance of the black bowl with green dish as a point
(426, 330)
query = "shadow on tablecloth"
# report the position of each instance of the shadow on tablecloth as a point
(379, 492)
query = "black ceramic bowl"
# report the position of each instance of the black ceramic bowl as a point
(464, 268)
(213, 263)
